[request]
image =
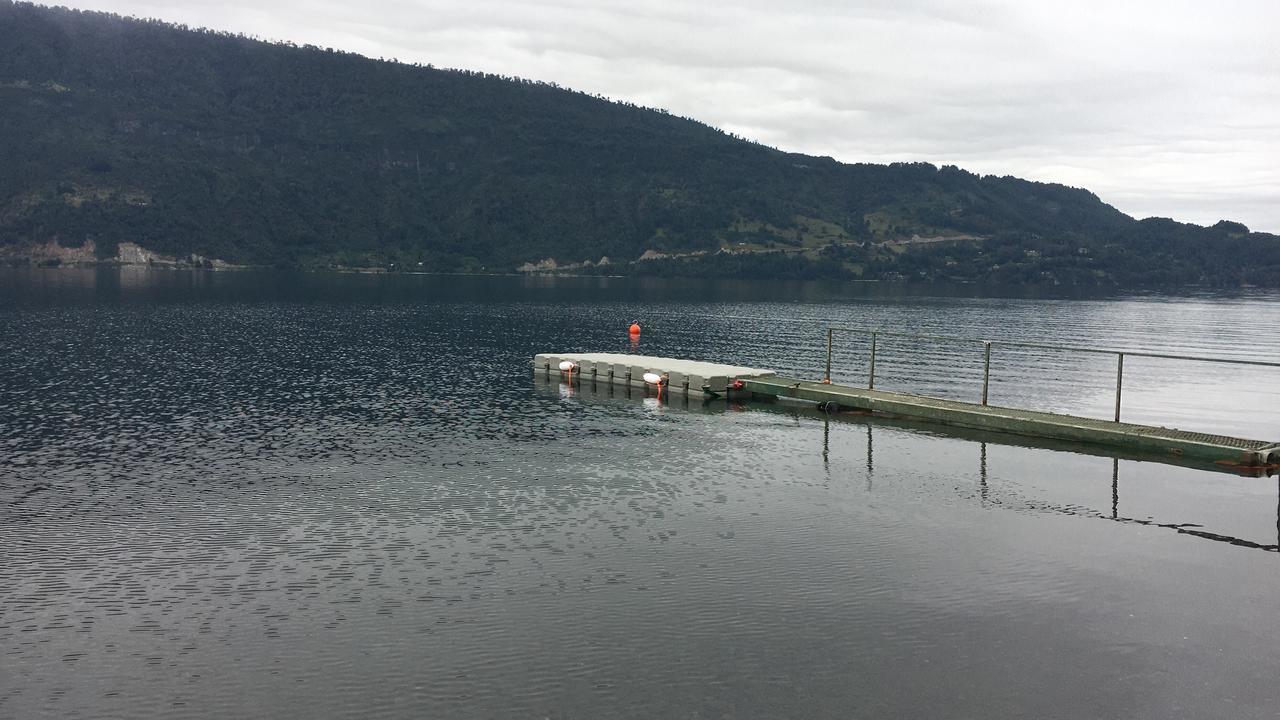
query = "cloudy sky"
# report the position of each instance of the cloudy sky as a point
(1162, 107)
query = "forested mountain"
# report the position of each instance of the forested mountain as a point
(191, 142)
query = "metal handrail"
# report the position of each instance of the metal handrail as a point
(988, 344)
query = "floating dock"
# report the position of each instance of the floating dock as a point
(1142, 438)
(693, 378)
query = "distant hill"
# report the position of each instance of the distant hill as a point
(157, 142)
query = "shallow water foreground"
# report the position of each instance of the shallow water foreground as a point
(348, 497)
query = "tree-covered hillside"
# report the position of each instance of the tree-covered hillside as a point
(195, 142)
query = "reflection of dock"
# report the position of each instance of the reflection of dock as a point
(990, 492)
(988, 495)
(620, 394)
(1070, 428)
(1192, 529)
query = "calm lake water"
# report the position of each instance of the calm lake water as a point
(287, 495)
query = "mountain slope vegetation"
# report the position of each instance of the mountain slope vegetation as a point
(199, 143)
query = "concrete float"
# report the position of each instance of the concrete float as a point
(693, 378)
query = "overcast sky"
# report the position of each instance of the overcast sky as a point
(1161, 107)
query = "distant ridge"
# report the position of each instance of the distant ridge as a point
(199, 147)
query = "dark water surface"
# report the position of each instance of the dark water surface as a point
(273, 495)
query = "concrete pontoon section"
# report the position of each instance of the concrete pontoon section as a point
(691, 377)
(1144, 438)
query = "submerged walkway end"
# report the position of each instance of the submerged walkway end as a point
(1131, 436)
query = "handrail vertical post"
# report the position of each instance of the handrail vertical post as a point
(986, 369)
(830, 333)
(871, 379)
(1119, 381)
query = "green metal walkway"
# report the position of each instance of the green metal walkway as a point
(1141, 438)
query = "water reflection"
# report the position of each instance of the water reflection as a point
(1115, 488)
(1015, 500)
(990, 491)
(276, 495)
(600, 391)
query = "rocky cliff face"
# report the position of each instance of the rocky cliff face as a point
(54, 254)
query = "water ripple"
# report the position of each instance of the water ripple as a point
(234, 502)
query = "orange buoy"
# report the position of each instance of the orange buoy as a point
(635, 329)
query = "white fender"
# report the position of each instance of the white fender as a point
(568, 366)
(652, 378)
